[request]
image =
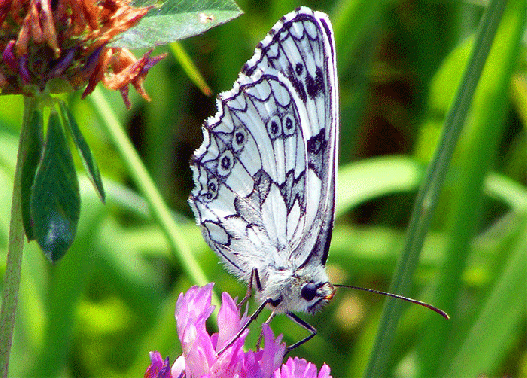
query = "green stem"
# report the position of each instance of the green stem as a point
(475, 156)
(428, 195)
(147, 187)
(16, 246)
(190, 69)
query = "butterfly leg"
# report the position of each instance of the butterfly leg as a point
(254, 278)
(305, 325)
(261, 332)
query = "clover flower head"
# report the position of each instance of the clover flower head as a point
(200, 358)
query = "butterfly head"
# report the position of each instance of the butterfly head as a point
(316, 295)
(298, 291)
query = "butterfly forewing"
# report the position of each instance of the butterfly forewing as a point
(265, 173)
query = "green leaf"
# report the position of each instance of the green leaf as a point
(364, 181)
(476, 153)
(55, 199)
(423, 212)
(174, 20)
(501, 317)
(84, 150)
(29, 167)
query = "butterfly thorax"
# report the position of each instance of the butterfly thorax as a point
(295, 290)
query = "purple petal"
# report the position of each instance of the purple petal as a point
(300, 368)
(252, 364)
(91, 62)
(193, 306)
(159, 368)
(62, 64)
(148, 62)
(324, 372)
(8, 56)
(273, 352)
(228, 321)
(164, 372)
(192, 311)
(178, 369)
(23, 71)
(231, 361)
(156, 358)
(198, 360)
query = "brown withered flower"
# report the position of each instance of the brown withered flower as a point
(62, 44)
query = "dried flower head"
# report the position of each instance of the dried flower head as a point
(65, 41)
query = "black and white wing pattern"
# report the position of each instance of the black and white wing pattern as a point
(265, 174)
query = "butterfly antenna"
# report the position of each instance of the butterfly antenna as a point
(420, 303)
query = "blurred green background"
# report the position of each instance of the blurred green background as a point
(111, 299)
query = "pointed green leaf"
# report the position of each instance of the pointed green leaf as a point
(84, 150)
(29, 167)
(174, 20)
(55, 199)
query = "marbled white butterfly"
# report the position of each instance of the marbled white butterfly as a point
(265, 174)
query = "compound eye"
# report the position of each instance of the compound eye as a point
(309, 291)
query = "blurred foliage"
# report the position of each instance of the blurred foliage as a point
(100, 310)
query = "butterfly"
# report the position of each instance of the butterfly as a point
(266, 172)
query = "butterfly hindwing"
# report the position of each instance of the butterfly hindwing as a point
(250, 173)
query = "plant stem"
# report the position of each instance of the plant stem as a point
(428, 195)
(147, 187)
(16, 246)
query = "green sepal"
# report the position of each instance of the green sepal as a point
(55, 199)
(84, 150)
(29, 167)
